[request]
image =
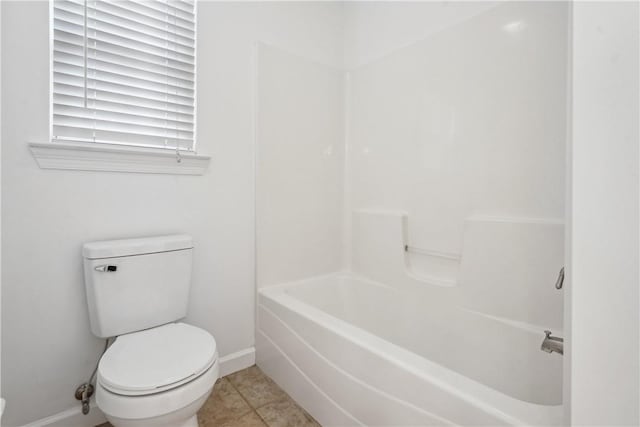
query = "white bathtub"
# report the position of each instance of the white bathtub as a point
(354, 352)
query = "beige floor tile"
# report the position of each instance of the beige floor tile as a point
(249, 420)
(256, 387)
(286, 413)
(223, 406)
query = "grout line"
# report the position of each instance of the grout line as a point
(262, 418)
(254, 410)
(241, 395)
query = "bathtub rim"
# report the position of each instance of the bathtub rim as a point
(497, 403)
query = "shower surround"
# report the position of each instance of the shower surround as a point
(409, 225)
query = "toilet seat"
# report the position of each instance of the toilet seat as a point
(158, 409)
(156, 359)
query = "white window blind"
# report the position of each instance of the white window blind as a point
(124, 72)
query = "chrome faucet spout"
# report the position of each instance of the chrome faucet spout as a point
(552, 344)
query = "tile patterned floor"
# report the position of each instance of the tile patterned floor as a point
(250, 399)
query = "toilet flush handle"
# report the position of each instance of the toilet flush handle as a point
(106, 268)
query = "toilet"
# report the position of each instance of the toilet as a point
(158, 371)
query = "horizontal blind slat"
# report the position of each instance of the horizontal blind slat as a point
(68, 55)
(62, 37)
(68, 71)
(68, 16)
(68, 79)
(68, 89)
(69, 27)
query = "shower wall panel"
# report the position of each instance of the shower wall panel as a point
(299, 166)
(469, 121)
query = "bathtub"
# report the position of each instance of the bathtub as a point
(355, 352)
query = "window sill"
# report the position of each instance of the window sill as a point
(86, 157)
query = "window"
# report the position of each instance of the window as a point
(124, 72)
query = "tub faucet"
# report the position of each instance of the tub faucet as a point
(551, 343)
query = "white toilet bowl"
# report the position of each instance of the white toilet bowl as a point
(157, 377)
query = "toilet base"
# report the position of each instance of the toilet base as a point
(191, 422)
(175, 419)
(163, 409)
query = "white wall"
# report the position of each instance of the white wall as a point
(604, 359)
(374, 29)
(47, 348)
(299, 167)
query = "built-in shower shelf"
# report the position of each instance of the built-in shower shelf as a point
(429, 252)
(381, 251)
(431, 266)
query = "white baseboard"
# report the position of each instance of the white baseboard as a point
(237, 361)
(73, 417)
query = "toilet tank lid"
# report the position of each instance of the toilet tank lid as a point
(127, 247)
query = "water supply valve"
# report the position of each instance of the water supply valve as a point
(83, 394)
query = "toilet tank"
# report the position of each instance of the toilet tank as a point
(137, 284)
